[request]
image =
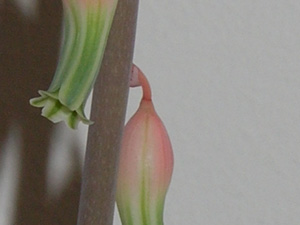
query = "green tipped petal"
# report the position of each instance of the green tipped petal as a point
(56, 112)
(86, 28)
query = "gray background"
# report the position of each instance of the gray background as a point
(225, 77)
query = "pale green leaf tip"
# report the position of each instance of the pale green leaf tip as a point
(56, 112)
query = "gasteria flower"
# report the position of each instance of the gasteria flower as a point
(146, 163)
(86, 28)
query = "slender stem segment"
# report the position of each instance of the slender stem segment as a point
(139, 79)
(97, 198)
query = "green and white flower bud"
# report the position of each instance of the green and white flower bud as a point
(86, 28)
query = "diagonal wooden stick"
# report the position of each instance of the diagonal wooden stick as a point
(97, 198)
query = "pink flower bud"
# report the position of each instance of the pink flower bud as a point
(146, 164)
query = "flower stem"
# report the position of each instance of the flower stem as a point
(97, 198)
(142, 81)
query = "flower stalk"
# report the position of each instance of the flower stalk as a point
(85, 31)
(146, 163)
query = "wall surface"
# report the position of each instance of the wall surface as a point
(226, 82)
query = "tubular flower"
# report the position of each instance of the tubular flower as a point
(86, 28)
(146, 163)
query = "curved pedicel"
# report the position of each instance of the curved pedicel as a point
(146, 163)
(85, 31)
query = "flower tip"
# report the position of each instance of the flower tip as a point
(57, 112)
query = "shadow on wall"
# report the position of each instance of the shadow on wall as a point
(28, 56)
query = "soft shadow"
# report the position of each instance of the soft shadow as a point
(28, 57)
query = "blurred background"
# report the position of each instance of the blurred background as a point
(225, 80)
